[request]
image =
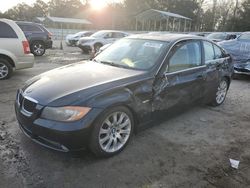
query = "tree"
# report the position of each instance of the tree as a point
(65, 8)
(21, 11)
(244, 21)
(40, 8)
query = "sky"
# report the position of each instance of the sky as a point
(7, 4)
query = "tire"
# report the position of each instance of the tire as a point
(6, 69)
(38, 48)
(97, 47)
(221, 93)
(109, 138)
(85, 51)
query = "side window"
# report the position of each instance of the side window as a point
(6, 31)
(108, 35)
(186, 56)
(118, 35)
(30, 28)
(218, 53)
(208, 50)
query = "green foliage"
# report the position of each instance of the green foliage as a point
(244, 20)
(220, 15)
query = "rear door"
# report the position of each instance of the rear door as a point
(182, 78)
(32, 31)
(9, 41)
(215, 62)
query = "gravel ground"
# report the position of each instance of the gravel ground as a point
(191, 149)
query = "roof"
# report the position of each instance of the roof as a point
(153, 14)
(68, 20)
(165, 37)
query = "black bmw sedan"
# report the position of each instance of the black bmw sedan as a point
(99, 104)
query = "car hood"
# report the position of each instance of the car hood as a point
(79, 81)
(238, 49)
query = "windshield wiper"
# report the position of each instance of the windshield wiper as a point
(110, 63)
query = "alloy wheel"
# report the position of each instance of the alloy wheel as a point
(4, 70)
(221, 92)
(115, 132)
(38, 49)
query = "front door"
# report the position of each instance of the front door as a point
(182, 79)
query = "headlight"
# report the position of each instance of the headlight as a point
(66, 113)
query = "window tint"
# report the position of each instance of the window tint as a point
(108, 35)
(218, 53)
(32, 28)
(187, 56)
(209, 51)
(6, 31)
(118, 35)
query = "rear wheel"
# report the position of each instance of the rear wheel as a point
(5, 69)
(221, 92)
(38, 48)
(112, 132)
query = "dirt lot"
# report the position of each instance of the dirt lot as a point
(189, 150)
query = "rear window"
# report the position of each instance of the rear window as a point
(6, 31)
(30, 28)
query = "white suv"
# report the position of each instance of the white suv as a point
(98, 39)
(14, 49)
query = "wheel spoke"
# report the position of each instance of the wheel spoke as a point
(107, 121)
(103, 140)
(119, 137)
(124, 124)
(115, 117)
(121, 118)
(115, 144)
(127, 131)
(107, 147)
(104, 131)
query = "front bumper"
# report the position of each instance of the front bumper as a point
(72, 42)
(60, 136)
(242, 68)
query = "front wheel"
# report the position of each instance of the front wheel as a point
(221, 92)
(112, 132)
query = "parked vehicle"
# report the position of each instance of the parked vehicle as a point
(103, 48)
(71, 40)
(38, 36)
(101, 103)
(218, 37)
(240, 52)
(98, 39)
(14, 49)
(201, 34)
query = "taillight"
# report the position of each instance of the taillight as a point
(26, 47)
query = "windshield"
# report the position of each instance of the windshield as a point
(221, 36)
(78, 34)
(133, 53)
(244, 36)
(98, 34)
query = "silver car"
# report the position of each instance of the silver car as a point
(14, 49)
